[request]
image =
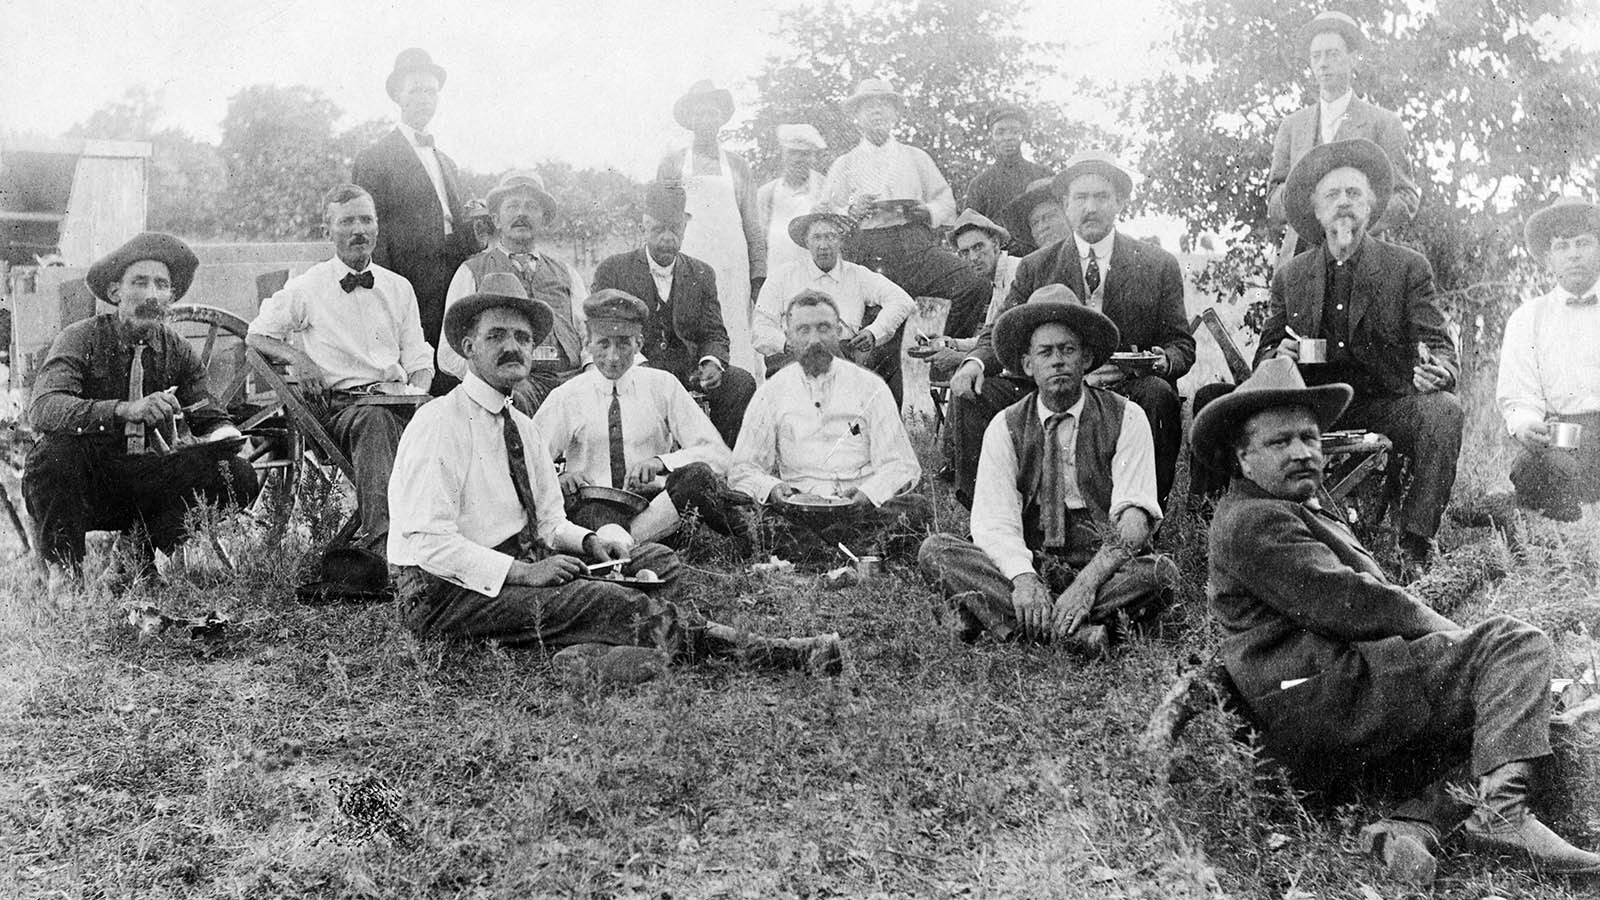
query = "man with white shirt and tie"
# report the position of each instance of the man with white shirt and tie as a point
(523, 213)
(482, 549)
(1546, 372)
(360, 332)
(417, 192)
(871, 307)
(635, 427)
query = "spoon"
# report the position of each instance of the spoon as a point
(846, 550)
(608, 564)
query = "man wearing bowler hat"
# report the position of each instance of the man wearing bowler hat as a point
(1373, 302)
(635, 428)
(720, 193)
(482, 548)
(796, 192)
(1543, 378)
(1139, 287)
(1061, 468)
(1334, 43)
(524, 212)
(1345, 674)
(683, 333)
(994, 187)
(118, 372)
(417, 192)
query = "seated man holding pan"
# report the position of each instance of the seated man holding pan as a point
(1373, 303)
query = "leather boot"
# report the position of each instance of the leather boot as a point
(1502, 823)
(1407, 849)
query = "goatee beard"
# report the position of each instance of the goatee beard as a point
(816, 359)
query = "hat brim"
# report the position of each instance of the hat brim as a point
(800, 224)
(1357, 153)
(1353, 38)
(614, 327)
(722, 98)
(392, 84)
(999, 232)
(459, 317)
(1017, 212)
(552, 211)
(164, 248)
(851, 102)
(1542, 225)
(1121, 179)
(1015, 328)
(1214, 428)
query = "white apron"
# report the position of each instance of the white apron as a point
(786, 206)
(715, 236)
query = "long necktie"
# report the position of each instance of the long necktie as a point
(1053, 509)
(1091, 275)
(520, 480)
(134, 431)
(619, 461)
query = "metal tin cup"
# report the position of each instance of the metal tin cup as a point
(1566, 435)
(1313, 351)
(869, 567)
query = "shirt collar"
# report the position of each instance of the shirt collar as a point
(484, 395)
(409, 132)
(507, 250)
(340, 269)
(1102, 248)
(815, 271)
(1337, 105)
(1075, 410)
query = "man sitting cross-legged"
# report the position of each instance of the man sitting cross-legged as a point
(823, 429)
(482, 548)
(634, 427)
(1066, 497)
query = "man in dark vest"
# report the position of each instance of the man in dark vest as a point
(684, 332)
(523, 212)
(1061, 467)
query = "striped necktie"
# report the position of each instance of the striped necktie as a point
(1053, 509)
(528, 539)
(619, 461)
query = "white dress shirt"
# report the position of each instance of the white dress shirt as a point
(358, 338)
(1548, 363)
(997, 504)
(824, 435)
(1102, 256)
(892, 171)
(1330, 116)
(463, 284)
(659, 418)
(451, 498)
(430, 161)
(853, 287)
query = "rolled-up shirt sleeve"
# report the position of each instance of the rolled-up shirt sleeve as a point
(997, 504)
(1133, 467)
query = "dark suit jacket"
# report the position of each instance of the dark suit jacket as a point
(411, 238)
(1299, 597)
(1392, 309)
(695, 325)
(1143, 296)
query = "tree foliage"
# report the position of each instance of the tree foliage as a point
(951, 59)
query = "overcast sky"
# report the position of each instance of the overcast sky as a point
(588, 81)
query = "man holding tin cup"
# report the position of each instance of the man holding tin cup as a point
(1548, 396)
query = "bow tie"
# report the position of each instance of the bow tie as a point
(1589, 299)
(351, 281)
(424, 140)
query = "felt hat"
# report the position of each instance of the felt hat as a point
(497, 289)
(1054, 303)
(800, 137)
(870, 88)
(800, 224)
(1336, 22)
(971, 218)
(411, 59)
(1276, 382)
(1098, 162)
(347, 574)
(1569, 214)
(1017, 211)
(523, 180)
(664, 201)
(1358, 153)
(614, 312)
(181, 263)
(1007, 111)
(702, 92)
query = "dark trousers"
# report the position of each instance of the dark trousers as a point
(970, 417)
(726, 402)
(73, 485)
(1552, 479)
(1141, 589)
(891, 530)
(1426, 429)
(369, 435)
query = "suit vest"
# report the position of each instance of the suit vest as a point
(1099, 429)
(552, 283)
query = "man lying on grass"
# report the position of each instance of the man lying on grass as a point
(1348, 675)
(483, 547)
(1066, 496)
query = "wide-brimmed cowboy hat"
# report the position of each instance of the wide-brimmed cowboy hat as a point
(496, 290)
(411, 59)
(870, 88)
(524, 180)
(1567, 214)
(181, 263)
(1357, 153)
(1098, 162)
(1336, 22)
(1054, 303)
(971, 218)
(703, 93)
(1276, 382)
(1017, 211)
(800, 224)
